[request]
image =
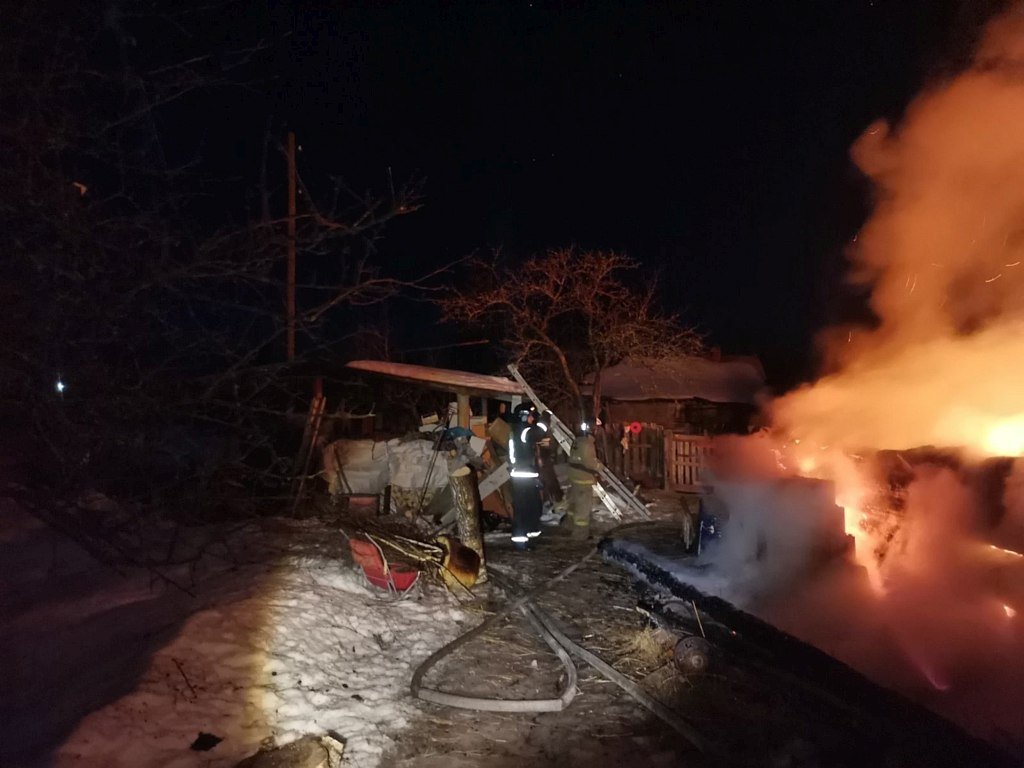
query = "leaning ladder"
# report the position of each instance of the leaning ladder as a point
(623, 498)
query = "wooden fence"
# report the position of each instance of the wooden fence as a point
(687, 460)
(654, 457)
(634, 457)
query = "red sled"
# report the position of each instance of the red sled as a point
(396, 578)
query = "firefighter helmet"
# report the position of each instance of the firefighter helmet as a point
(523, 412)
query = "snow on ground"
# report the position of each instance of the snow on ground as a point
(343, 658)
(298, 646)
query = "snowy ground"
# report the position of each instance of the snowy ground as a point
(281, 639)
(286, 641)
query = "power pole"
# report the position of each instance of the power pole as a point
(290, 290)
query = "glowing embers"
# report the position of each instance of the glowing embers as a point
(853, 492)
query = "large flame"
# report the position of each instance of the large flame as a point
(853, 491)
(943, 366)
(944, 252)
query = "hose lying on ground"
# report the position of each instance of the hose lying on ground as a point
(503, 705)
(634, 690)
(559, 643)
(515, 705)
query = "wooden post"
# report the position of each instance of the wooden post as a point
(290, 290)
(464, 411)
(670, 462)
(467, 513)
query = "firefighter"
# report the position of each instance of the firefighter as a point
(551, 489)
(582, 476)
(522, 456)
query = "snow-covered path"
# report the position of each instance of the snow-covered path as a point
(290, 642)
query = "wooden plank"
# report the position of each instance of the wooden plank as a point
(464, 414)
(493, 481)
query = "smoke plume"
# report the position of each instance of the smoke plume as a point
(944, 254)
(938, 613)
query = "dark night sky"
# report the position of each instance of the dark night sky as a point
(708, 140)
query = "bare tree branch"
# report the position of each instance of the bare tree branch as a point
(158, 308)
(568, 314)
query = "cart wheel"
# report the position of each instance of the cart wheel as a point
(692, 654)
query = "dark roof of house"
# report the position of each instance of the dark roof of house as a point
(728, 380)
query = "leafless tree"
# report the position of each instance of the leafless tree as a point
(568, 314)
(148, 300)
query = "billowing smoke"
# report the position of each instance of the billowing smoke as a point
(926, 608)
(772, 531)
(944, 254)
(938, 609)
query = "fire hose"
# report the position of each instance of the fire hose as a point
(503, 705)
(648, 702)
(560, 644)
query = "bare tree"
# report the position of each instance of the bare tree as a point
(137, 300)
(568, 314)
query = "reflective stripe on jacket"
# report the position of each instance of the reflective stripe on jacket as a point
(522, 450)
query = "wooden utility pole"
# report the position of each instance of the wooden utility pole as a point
(290, 298)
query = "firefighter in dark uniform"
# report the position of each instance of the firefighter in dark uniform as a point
(522, 456)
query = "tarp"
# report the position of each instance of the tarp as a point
(411, 460)
(683, 378)
(356, 466)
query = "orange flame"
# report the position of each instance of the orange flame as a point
(944, 254)
(852, 491)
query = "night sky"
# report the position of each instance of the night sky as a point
(708, 140)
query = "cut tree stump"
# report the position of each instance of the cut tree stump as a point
(466, 497)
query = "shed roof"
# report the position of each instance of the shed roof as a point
(444, 379)
(683, 378)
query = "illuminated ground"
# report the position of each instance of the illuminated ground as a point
(281, 638)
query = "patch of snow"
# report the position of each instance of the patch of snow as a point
(301, 646)
(682, 377)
